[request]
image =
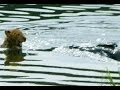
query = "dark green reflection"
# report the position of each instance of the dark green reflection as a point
(13, 55)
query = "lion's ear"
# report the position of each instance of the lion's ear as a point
(7, 33)
(17, 28)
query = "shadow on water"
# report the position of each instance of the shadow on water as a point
(15, 55)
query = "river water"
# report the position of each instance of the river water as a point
(52, 25)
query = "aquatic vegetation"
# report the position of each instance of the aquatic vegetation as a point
(111, 80)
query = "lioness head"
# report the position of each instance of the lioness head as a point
(15, 38)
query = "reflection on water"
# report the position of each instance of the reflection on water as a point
(14, 55)
(46, 57)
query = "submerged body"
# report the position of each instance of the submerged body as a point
(13, 55)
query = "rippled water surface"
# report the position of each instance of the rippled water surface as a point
(45, 58)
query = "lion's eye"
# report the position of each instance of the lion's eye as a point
(18, 34)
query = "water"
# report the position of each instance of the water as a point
(47, 26)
